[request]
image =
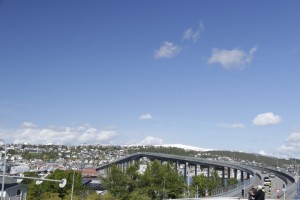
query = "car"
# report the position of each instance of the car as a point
(264, 172)
(267, 181)
(272, 175)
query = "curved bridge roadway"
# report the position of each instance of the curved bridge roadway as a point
(245, 182)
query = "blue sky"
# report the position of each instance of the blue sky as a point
(211, 74)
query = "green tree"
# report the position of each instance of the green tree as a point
(232, 181)
(132, 177)
(50, 195)
(214, 181)
(161, 181)
(28, 181)
(36, 191)
(116, 182)
(200, 184)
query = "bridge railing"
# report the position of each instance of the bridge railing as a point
(234, 190)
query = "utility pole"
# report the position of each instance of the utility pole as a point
(3, 171)
(72, 185)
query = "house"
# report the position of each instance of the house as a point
(12, 189)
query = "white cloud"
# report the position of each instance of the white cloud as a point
(231, 59)
(291, 144)
(265, 119)
(145, 116)
(189, 34)
(61, 135)
(239, 125)
(262, 152)
(28, 125)
(149, 140)
(167, 50)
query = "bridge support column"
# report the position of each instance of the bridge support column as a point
(228, 172)
(208, 172)
(235, 173)
(248, 175)
(184, 173)
(242, 175)
(223, 173)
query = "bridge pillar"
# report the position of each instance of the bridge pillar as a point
(208, 172)
(223, 173)
(187, 174)
(235, 173)
(184, 173)
(228, 172)
(248, 175)
(242, 175)
(196, 169)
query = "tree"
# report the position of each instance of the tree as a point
(200, 184)
(49, 195)
(161, 181)
(232, 181)
(214, 181)
(116, 182)
(36, 191)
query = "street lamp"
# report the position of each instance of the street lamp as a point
(62, 182)
(4, 169)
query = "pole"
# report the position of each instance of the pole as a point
(244, 190)
(72, 185)
(35, 178)
(4, 170)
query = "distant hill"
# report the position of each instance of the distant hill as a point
(185, 147)
(225, 155)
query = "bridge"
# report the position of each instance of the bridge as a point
(247, 175)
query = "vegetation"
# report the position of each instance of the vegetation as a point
(159, 181)
(49, 188)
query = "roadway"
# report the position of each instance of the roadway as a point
(281, 179)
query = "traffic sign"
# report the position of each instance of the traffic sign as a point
(283, 189)
(277, 190)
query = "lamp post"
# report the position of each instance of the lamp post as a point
(72, 185)
(62, 182)
(4, 169)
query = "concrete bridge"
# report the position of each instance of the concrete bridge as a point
(247, 175)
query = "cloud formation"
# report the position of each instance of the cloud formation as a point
(291, 145)
(167, 50)
(31, 133)
(189, 34)
(145, 116)
(231, 59)
(238, 125)
(267, 118)
(149, 140)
